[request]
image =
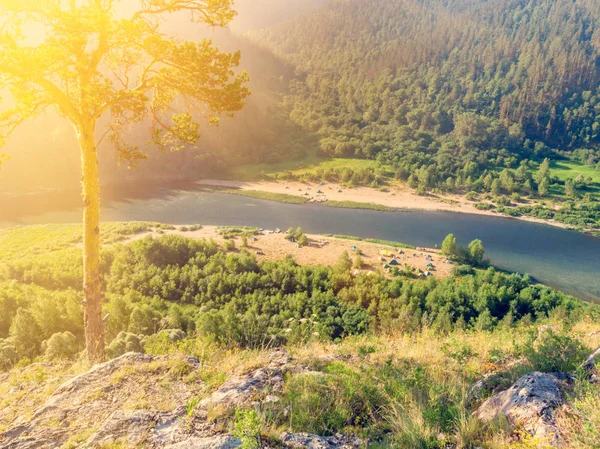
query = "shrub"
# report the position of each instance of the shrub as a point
(229, 245)
(555, 352)
(8, 355)
(125, 342)
(471, 196)
(247, 429)
(303, 240)
(61, 346)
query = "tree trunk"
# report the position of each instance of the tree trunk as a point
(92, 283)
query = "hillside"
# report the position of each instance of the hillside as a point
(211, 346)
(372, 67)
(449, 92)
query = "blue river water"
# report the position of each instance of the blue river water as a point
(560, 258)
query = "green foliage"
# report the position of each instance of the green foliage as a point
(356, 205)
(229, 245)
(123, 343)
(26, 334)
(8, 354)
(449, 245)
(424, 117)
(247, 429)
(159, 290)
(61, 346)
(269, 196)
(303, 240)
(555, 352)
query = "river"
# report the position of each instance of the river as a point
(560, 258)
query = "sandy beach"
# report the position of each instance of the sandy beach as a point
(322, 250)
(398, 197)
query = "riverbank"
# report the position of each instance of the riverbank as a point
(321, 250)
(393, 198)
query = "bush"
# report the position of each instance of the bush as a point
(303, 240)
(472, 196)
(554, 352)
(229, 245)
(125, 342)
(61, 346)
(247, 429)
(8, 355)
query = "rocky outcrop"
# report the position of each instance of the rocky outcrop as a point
(530, 403)
(101, 399)
(304, 440)
(250, 387)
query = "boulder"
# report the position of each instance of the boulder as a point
(530, 403)
(592, 360)
(308, 441)
(244, 389)
(216, 442)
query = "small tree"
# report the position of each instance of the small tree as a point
(26, 334)
(476, 252)
(344, 263)
(303, 240)
(543, 187)
(570, 189)
(358, 262)
(109, 61)
(449, 245)
(61, 346)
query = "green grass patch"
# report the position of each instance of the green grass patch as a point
(310, 164)
(570, 169)
(356, 205)
(229, 232)
(42, 239)
(269, 196)
(367, 240)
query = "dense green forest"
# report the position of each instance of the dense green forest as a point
(176, 287)
(460, 95)
(460, 78)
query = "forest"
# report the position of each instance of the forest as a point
(450, 92)
(173, 287)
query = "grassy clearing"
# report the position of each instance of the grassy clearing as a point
(356, 205)
(269, 196)
(375, 241)
(43, 239)
(564, 170)
(310, 164)
(569, 169)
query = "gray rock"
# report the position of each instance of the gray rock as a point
(530, 402)
(308, 441)
(241, 390)
(592, 360)
(492, 383)
(131, 427)
(216, 442)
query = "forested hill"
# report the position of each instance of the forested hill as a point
(401, 76)
(445, 90)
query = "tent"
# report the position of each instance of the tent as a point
(394, 262)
